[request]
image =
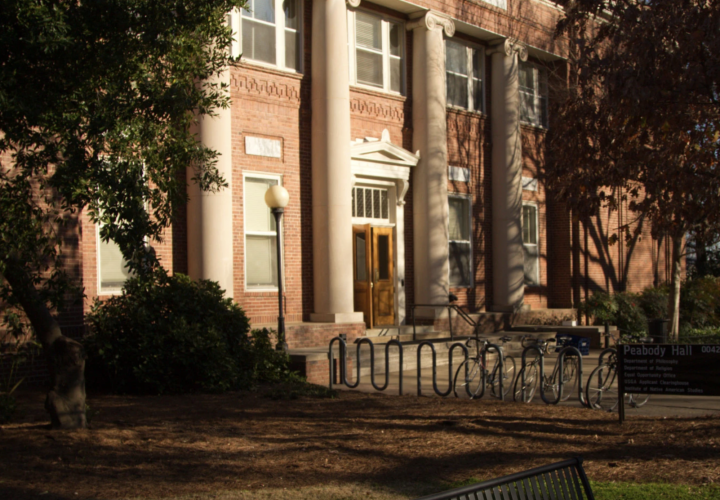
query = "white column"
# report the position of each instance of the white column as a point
(430, 194)
(331, 174)
(508, 261)
(210, 215)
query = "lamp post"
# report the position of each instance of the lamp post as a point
(277, 199)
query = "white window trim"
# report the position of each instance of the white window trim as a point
(470, 241)
(540, 72)
(469, 47)
(237, 48)
(100, 290)
(279, 179)
(537, 238)
(385, 23)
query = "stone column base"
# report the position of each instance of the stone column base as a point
(353, 317)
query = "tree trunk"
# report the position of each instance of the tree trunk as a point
(674, 296)
(66, 358)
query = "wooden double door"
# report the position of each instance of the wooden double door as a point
(374, 274)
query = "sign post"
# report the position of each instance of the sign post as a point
(676, 369)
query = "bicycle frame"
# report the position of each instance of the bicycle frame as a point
(559, 365)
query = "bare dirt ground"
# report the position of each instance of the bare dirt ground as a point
(204, 446)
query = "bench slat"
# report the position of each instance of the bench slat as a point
(570, 484)
(560, 481)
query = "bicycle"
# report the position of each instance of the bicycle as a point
(476, 376)
(525, 393)
(601, 391)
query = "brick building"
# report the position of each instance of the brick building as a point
(410, 137)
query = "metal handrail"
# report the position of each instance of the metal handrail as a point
(343, 364)
(434, 367)
(450, 307)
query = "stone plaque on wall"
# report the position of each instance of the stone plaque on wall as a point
(259, 146)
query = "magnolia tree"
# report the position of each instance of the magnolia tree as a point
(639, 122)
(97, 100)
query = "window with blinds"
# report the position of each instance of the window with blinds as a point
(530, 245)
(459, 230)
(533, 94)
(464, 71)
(371, 203)
(112, 267)
(376, 51)
(271, 32)
(260, 235)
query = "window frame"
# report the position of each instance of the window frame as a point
(280, 230)
(385, 21)
(469, 47)
(539, 72)
(471, 258)
(280, 31)
(535, 206)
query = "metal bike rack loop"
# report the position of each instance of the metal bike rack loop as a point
(343, 364)
(434, 367)
(560, 363)
(483, 384)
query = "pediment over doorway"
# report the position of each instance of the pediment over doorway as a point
(373, 158)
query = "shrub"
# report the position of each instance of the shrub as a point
(700, 303)
(654, 302)
(601, 306)
(169, 334)
(629, 317)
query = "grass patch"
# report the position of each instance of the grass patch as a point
(653, 491)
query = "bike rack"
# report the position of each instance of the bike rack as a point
(501, 365)
(560, 365)
(343, 364)
(434, 367)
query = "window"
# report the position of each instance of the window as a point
(464, 69)
(269, 37)
(376, 51)
(460, 248)
(371, 203)
(112, 266)
(530, 244)
(533, 94)
(260, 234)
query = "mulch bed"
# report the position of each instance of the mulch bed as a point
(173, 445)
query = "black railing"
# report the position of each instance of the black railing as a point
(450, 307)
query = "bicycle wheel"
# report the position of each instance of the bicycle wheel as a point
(570, 378)
(637, 400)
(507, 379)
(526, 392)
(599, 391)
(471, 382)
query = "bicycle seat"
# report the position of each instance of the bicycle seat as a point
(506, 339)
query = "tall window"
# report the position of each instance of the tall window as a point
(530, 245)
(376, 51)
(271, 32)
(460, 248)
(464, 69)
(260, 234)
(112, 266)
(533, 94)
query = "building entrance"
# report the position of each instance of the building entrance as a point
(374, 274)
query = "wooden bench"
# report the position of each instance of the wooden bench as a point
(559, 481)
